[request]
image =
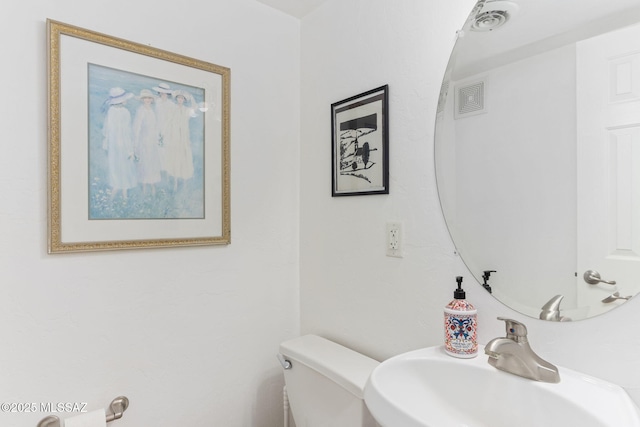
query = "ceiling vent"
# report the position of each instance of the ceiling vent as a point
(493, 14)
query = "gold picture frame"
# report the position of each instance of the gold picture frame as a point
(138, 145)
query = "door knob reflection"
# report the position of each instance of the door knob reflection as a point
(592, 277)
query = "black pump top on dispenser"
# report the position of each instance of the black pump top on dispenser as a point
(485, 276)
(459, 293)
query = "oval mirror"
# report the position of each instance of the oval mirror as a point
(537, 153)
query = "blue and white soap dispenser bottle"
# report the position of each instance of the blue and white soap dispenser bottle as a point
(460, 325)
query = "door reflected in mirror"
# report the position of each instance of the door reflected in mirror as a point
(537, 136)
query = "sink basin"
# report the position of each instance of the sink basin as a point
(429, 388)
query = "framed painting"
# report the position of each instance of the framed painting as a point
(360, 144)
(138, 145)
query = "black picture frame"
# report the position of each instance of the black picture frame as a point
(360, 144)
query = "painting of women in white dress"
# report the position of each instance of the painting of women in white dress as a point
(146, 147)
(118, 143)
(178, 155)
(146, 136)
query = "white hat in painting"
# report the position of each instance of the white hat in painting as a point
(183, 93)
(146, 93)
(162, 88)
(117, 95)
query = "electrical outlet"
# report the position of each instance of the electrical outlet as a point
(394, 239)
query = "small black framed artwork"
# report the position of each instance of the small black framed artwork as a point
(360, 144)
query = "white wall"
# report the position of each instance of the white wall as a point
(190, 334)
(350, 291)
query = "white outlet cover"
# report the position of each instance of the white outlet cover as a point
(394, 239)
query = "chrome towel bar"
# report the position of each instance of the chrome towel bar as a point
(118, 406)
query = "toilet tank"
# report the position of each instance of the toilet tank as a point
(325, 383)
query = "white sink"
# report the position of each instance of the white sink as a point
(429, 388)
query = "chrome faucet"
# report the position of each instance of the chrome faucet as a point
(514, 355)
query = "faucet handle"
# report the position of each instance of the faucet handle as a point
(515, 330)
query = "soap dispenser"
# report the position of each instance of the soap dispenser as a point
(460, 325)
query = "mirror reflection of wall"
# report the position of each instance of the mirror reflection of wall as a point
(521, 200)
(508, 185)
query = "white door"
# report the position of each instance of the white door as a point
(608, 129)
